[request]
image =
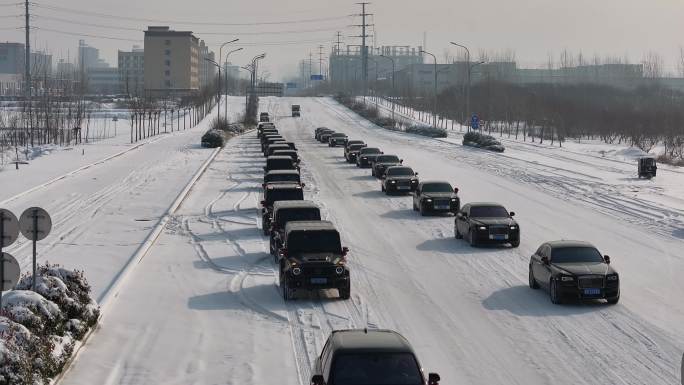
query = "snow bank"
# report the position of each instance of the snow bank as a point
(38, 329)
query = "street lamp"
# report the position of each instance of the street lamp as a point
(469, 80)
(434, 113)
(219, 60)
(394, 71)
(218, 108)
(226, 77)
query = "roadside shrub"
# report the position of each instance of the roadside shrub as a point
(429, 131)
(213, 139)
(479, 140)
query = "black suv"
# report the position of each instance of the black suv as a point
(275, 146)
(369, 357)
(264, 117)
(288, 211)
(573, 269)
(337, 138)
(291, 153)
(274, 192)
(282, 176)
(324, 137)
(381, 162)
(279, 163)
(436, 196)
(366, 155)
(486, 223)
(312, 258)
(319, 130)
(399, 179)
(351, 151)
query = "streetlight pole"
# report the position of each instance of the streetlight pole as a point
(469, 68)
(394, 71)
(434, 113)
(219, 60)
(226, 78)
(218, 108)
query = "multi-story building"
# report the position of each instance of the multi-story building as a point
(12, 58)
(89, 57)
(207, 69)
(103, 81)
(132, 71)
(171, 62)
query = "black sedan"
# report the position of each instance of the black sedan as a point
(487, 223)
(573, 269)
(363, 159)
(399, 179)
(436, 196)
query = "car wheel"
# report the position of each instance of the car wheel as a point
(471, 238)
(553, 292)
(457, 233)
(533, 281)
(422, 210)
(373, 172)
(614, 300)
(414, 206)
(284, 288)
(382, 188)
(515, 243)
(345, 293)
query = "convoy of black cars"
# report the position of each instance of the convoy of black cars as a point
(310, 257)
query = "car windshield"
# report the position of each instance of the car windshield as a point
(282, 178)
(400, 171)
(339, 135)
(387, 159)
(576, 255)
(276, 195)
(376, 369)
(299, 214)
(314, 241)
(370, 150)
(355, 147)
(437, 188)
(488, 212)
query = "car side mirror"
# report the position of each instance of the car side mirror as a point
(607, 259)
(263, 203)
(317, 380)
(416, 174)
(303, 184)
(545, 260)
(456, 190)
(433, 379)
(263, 185)
(512, 214)
(459, 215)
(345, 250)
(283, 252)
(401, 161)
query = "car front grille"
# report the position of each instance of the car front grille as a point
(318, 270)
(498, 230)
(591, 281)
(403, 183)
(441, 202)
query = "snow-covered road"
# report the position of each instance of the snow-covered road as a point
(203, 307)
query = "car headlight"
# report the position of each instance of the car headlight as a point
(514, 227)
(428, 200)
(296, 271)
(612, 278)
(339, 270)
(453, 199)
(414, 181)
(566, 278)
(482, 228)
(393, 181)
(364, 158)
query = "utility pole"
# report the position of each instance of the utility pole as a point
(27, 65)
(364, 48)
(320, 59)
(310, 64)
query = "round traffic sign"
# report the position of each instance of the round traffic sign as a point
(35, 224)
(10, 227)
(11, 272)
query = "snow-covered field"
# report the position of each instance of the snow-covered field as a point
(203, 307)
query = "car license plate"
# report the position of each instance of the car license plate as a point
(403, 187)
(592, 291)
(499, 237)
(441, 207)
(319, 281)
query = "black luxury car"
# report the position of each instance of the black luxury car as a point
(351, 151)
(289, 211)
(363, 159)
(282, 176)
(369, 357)
(280, 163)
(275, 192)
(436, 196)
(486, 223)
(312, 258)
(574, 269)
(337, 138)
(399, 179)
(382, 162)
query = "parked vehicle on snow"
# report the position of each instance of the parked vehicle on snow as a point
(365, 357)
(275, 147)
(274, 192)
(291, 153)
(271, 139)
(289, 211)
(280, 163)
(325, 136)
(436, 196)
(483, 141)
(647, 167)
(366, 155)
(351, 151)
(296, 111)
(312, 258)
(486, 223)
(382, 162)
(399, 179)
(282, 176)
(573, 269)
(321, 131)
(264, 126)
(264, 117)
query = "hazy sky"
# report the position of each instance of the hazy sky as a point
(533, 29)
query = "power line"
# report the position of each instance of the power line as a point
(87, 35)
(110, 16)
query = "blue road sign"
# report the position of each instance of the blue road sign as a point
(475, 122)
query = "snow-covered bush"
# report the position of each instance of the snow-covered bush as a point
(430, 131)
(479, 140)
(213, 139)
(38, 329)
